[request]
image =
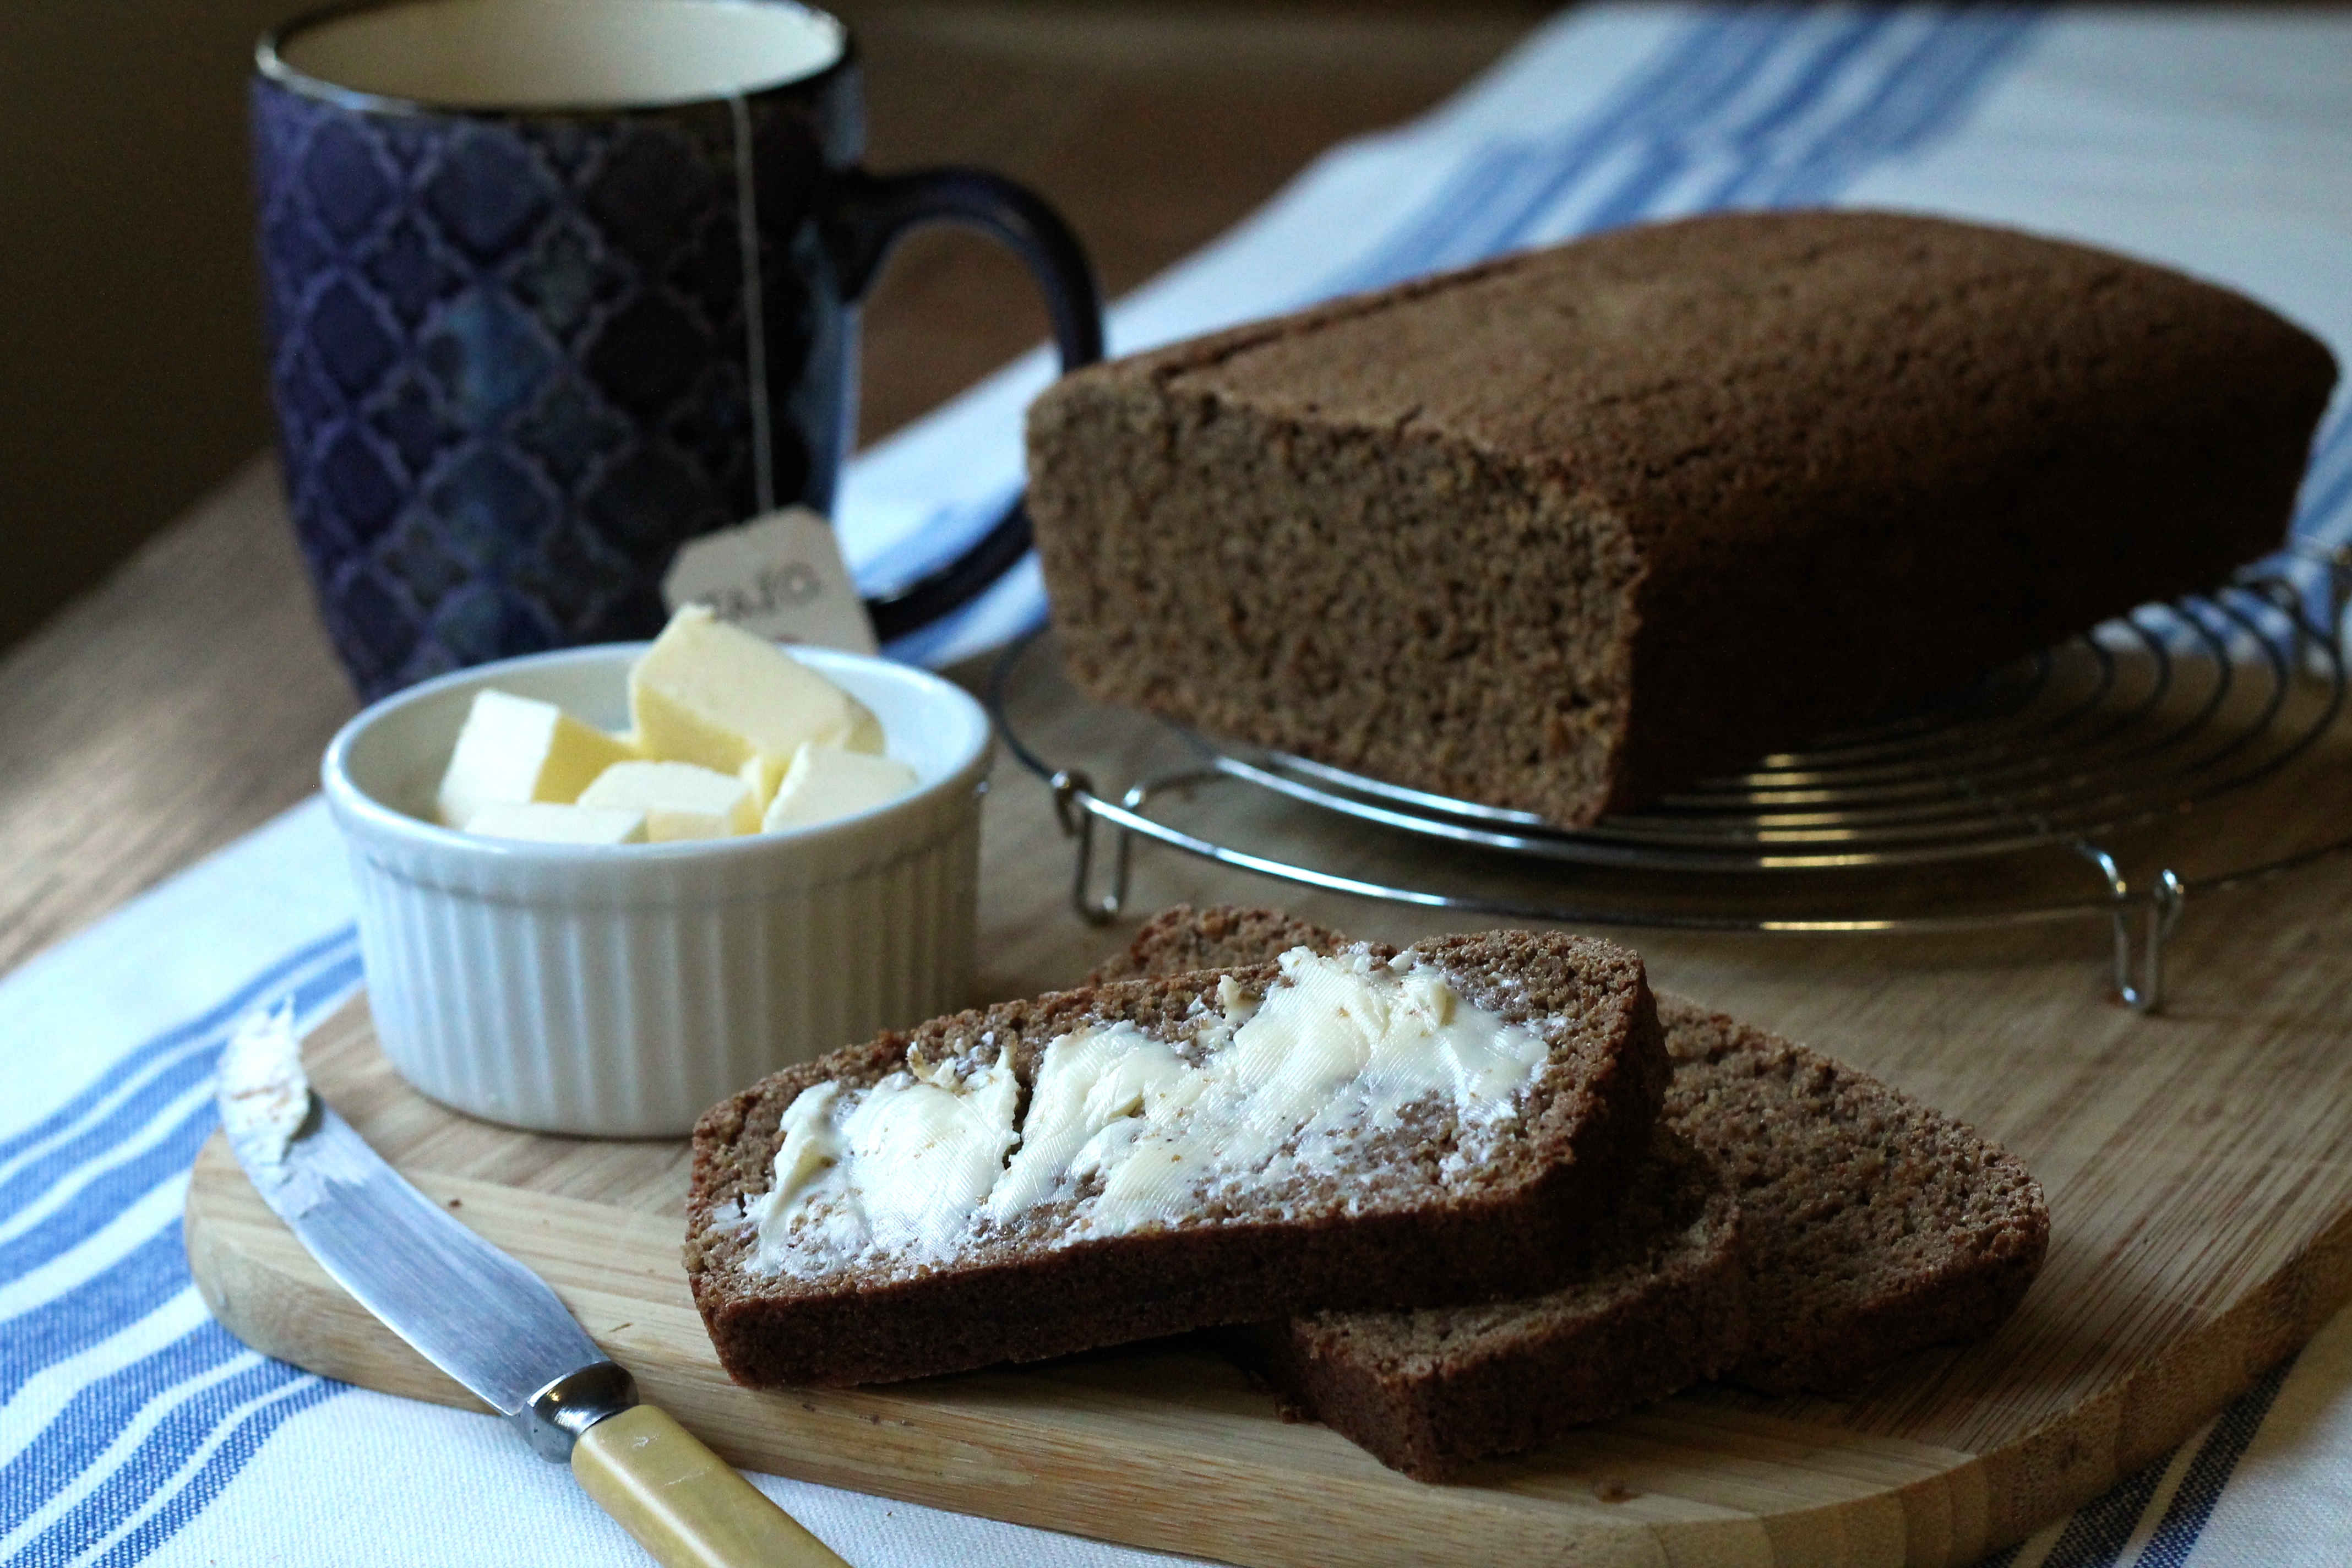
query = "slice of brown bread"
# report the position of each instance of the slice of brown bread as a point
(1874, 1224)
(1569, 529)
(1185, 937)
(1218, 936)
(1663, 1305)
(1433, 1210)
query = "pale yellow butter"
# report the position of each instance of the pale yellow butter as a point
(547, 822)
(517, 748)
(826, 782)
(1122, 1133)
(718, 697)
(679, 800)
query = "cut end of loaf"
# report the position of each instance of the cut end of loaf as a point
(1197, 570)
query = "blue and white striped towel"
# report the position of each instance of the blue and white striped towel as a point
(132, 1427)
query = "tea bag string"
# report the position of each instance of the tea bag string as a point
(755, 332)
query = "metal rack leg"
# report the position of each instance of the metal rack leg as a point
(2164, 904)
(1072, 789)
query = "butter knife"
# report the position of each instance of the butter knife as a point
(485, 1319)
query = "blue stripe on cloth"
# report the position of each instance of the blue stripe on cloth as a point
(94, 1309)
(1736, 189)
(36, 1178)
(2323, 513)
(217, 1017)
(76, 1220)
(1903, 97)
(150, 1467)
(2192, 1504)
(1671, 153)
(218, 1470)
(1502, 188)
(2093, 1536)
(1935, 89)
(2323, 510)
(122, 1123)
(95, 1416)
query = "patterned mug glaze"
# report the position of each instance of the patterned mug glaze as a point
(515, 358)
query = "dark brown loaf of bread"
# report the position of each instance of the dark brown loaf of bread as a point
(1873, 1225)
(1567, 531)
(1399, 1231)
(1663, 1305)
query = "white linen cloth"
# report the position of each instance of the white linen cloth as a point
(132, 1427)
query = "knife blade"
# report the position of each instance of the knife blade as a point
(484, 1318)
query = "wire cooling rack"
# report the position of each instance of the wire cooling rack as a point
(2021, 800)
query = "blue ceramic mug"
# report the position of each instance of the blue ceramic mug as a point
(553, 286)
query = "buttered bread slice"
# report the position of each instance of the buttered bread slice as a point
(1869, 1226)
(1344, 1129)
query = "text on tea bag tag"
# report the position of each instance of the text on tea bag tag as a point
(781, 576)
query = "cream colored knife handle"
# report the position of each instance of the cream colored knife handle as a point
(684, 1503)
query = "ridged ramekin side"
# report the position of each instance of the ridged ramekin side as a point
(627, 1019)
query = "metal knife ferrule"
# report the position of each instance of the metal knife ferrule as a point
(558, 1414)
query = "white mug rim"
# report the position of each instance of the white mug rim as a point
(270, 63)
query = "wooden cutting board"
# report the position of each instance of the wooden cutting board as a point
(2198, 1166)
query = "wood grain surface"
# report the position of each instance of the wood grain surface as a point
(2197, 1167)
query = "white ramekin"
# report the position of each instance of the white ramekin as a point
(619, 990)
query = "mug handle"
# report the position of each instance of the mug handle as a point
(866, 214)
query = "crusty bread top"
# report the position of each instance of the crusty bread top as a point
(1587, 999)
(1649, 367)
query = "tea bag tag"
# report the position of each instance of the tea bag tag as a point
(781, 576)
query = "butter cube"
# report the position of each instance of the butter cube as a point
(548, 822)
(718, 697)
(679, 799)
(826, 782)
(516, 749)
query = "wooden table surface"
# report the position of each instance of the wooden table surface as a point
(188, 698)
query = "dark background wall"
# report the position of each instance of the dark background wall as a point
(130, 375)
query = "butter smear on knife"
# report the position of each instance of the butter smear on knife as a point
(264, 1095)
